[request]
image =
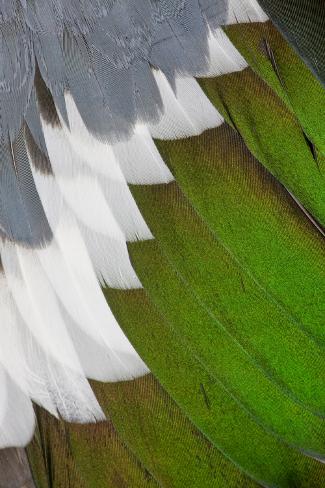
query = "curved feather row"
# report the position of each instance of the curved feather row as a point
(132, 140)
(69, 162)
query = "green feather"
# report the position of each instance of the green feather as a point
(272, 133)
(230, 317)
(148, 450)
(276, 62)
(303, 24)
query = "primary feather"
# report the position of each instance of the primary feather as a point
(160, 209)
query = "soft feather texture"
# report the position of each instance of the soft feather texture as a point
(84, 139)
(302, 22)
(125, 169)
(245, 11)
(140, 161)
(187, 112)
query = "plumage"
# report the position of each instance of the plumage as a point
(303, 25)
(162, 243)
(186, 110)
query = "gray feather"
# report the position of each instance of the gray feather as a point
(103, 53)
(22, 218)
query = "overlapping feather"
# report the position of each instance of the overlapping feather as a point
(108, 79)
(87, 89)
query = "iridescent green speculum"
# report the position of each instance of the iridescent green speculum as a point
(225, 303)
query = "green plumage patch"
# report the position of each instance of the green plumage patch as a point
(230, 320)
(303, 23)
(271, 132)
(271, 57)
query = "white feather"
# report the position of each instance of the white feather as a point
(126, 212)
(134, 161)
(101, 161)
(16, 412)
(82, 297)
(17, 418)
(68, 391)
(97, 155)
(16, 347)
(11, 350)
(92, 182)
(224, 57)
(187, 112)
(240, 11)
(84, 195)
(4, 394)
(67, 264)
(58, 361)
(140, 160)
(36, 303)
(111, 266)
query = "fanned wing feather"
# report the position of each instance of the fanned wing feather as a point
(161, 204)
(303, 24)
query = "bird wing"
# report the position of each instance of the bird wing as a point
(161, 218)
